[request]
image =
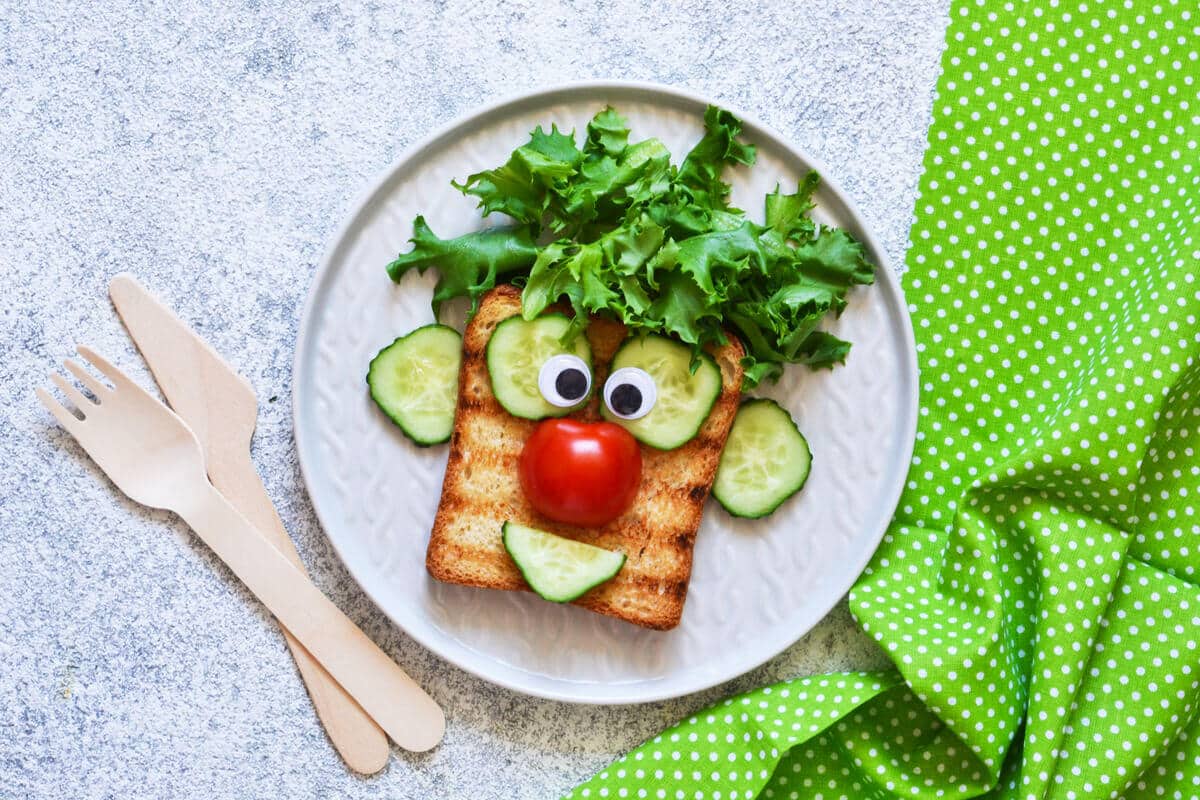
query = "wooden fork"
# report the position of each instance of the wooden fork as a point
(154, 458)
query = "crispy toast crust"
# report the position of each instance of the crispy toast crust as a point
(481, 488)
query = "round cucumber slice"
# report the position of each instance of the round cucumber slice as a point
(766, 460)
(414, 380)
(557, 568)
(515, 354)
(684, 398)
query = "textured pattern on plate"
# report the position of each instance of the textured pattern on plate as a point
(756, 586)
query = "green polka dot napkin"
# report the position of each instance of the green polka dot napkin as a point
(1038, 589)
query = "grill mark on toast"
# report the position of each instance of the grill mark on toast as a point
(473, 404)
(678, 590)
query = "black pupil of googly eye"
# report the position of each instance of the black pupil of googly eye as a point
(626, 399)
(571, 384)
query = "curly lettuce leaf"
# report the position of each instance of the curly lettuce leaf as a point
(787, 214)
(720, 259)
(777, 317)
(822, 350)
(558, 272)
(656, 247)
(609, 187)
(836, 259)
(755, 372)
(523, 187)
(468, 265)
(701, 171)
(611, 274)
(614, 178)
(683, 309)
(607, 133)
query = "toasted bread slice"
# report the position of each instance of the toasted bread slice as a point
(481, 489)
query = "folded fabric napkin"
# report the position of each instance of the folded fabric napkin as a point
(1038, 589)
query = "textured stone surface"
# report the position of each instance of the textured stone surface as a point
(212, 151)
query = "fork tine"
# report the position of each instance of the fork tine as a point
(64, 417)
(73, 394)
(89, 380)
(101, 363)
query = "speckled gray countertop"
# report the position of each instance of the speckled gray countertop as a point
(212, 151)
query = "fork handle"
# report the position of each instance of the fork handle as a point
(356, 737)
(405, 712)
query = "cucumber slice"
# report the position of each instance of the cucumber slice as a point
(557, 568)
(684, 397)
(515, 355)
(414, 380)
(766, 460)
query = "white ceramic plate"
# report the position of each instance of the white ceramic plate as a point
(757, 586)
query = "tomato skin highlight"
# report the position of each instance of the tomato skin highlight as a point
(580, 473)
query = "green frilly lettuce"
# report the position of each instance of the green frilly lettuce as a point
(613, 228)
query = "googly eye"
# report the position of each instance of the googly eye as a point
(630, 393)
(564, 380)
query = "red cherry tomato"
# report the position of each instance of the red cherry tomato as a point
(580, 473)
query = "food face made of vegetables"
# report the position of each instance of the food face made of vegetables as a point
(586, 473)
(704, 303)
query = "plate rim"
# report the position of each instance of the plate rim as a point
(361, 201)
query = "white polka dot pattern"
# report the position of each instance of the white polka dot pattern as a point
(1039, 587)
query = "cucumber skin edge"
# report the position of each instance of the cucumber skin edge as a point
(487, 359)
(604, 412)
(525, 576)
(419, 442)
(789, 495)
